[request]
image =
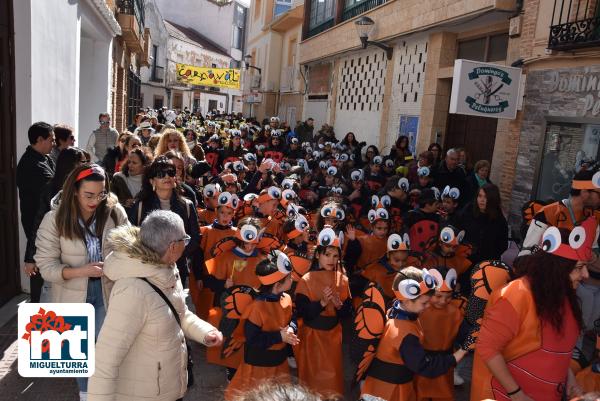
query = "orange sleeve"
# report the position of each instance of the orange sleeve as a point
(500, 325)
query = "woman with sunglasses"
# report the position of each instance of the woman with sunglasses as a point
(160, 191)
(69, 242)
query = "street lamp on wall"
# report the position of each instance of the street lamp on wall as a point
(364, 27)
(247, 59)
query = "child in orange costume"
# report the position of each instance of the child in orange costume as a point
(451, 253)
(297, 229)
(440, 323)
(322, 298)
(232, 268)
(210, 235)
(400, 355)
(208, 214)
(361, 251)
(384, 271)
(268, 328)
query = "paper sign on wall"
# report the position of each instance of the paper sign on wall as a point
(485, 89)
(208, 76)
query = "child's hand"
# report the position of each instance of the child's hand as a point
(288, 336)
(460, 354)
(228, 283)
(337, 302)
(326, 297)
(350, 233)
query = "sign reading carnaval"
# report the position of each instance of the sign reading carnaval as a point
(484, 89)
(207, 76)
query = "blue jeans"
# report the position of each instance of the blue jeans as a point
(94, 297)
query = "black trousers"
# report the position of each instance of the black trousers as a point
(36, 283)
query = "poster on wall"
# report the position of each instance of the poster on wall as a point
(485, 89)
(208, 76)
(409, 126)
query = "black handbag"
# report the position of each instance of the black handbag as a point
(190, 362)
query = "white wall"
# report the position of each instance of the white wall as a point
(410, 56)
(360, 88)
(47, 70)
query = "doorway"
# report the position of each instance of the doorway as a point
(9, 246)
(476, 134)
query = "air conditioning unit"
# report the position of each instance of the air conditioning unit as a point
(255, 81)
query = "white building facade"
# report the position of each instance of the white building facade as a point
(62, 69)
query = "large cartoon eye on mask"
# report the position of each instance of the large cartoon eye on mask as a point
(249, 233)
(326, 237)
(211, 190)
(403, 184)
(284, 265)
(274, 192)
(551, 240)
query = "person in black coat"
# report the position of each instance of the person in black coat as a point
(484, 224)
(449, 173)
(160, 192)
(34, 170)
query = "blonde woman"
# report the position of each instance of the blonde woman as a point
(171, 139)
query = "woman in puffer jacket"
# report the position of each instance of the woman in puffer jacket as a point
(141, 352)
(70, 240)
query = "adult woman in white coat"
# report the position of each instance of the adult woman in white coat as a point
(141, 351)
(69, 242)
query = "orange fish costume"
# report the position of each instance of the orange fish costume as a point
(240, 268)
(393, 353)
(382, 273)
(319, 354)
(440, 328)
(210, 235)
(512, 327)
(265, 354)
(458, 260)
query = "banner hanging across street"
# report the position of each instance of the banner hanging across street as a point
(484, 89)
(208, 76)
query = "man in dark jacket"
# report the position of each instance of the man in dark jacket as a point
(34, 170)
(450, 173)
(304, 131)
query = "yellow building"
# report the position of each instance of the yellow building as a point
(274, 87)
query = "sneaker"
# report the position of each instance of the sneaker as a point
(458, 381)
(292, 362)
(82, 396)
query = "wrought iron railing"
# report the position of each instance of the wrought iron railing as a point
(357, 9)
(133, 7)
(575, 24)
(320, 28)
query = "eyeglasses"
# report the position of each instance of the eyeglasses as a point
(104, 122)
(186, 240)
(164, 173)
(99, 197)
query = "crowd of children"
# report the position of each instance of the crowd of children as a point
(298, 237)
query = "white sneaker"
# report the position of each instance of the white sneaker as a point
(458, 381)
(82, 396)
(292, 362)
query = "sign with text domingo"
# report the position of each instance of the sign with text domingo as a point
(219, 77)
(56, 340)
(484, 89)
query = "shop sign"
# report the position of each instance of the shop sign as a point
(584, 85)
(484, 89)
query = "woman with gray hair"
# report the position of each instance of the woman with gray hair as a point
(141, 351)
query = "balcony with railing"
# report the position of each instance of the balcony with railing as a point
(130, 15)
(360, 7)
(575, 24)
(157, 74)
